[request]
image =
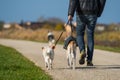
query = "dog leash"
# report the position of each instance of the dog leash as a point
(59, 38)
(68, 22)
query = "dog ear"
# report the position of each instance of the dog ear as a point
(42, 48)
(53, 47)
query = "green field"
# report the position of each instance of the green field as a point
(107, 48)
(14, 66)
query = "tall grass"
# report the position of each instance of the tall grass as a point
(110, 38)
(13, 66)
(28, 34)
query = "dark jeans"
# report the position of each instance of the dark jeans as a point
(88, 22)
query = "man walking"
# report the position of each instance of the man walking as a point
(87, 12)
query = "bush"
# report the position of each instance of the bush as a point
(59, 27)
(1, 25)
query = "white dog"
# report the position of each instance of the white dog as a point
(48, 54)
(71, 54)
(71, 48)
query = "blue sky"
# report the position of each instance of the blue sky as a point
(31, 10)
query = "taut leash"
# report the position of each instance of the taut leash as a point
(62, 32)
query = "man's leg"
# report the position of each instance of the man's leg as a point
(80, 30)
(90, 38)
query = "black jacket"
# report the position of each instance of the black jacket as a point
(86, 7)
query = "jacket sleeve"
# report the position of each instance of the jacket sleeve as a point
(72, 7)
(101, 4)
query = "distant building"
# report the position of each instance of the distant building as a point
(6, 26)
(12, 25)
(100, 27)
(32, 25)
(117, 28)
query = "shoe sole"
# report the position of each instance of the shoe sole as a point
(90, 65)
(82, 59)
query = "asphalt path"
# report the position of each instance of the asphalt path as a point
(106, 64)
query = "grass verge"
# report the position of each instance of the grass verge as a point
(14, 66)
(107, 48)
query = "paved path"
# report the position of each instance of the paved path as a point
(107, 64)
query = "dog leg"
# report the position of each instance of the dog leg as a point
(68, 62)
(50, 64)
(73, 57)
(73, 65)
(47, 63)
(68, 58)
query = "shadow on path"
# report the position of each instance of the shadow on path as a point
(93, 67)
(100, 67)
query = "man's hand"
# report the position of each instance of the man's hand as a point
(70, 18)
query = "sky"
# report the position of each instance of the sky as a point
(32, 10)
